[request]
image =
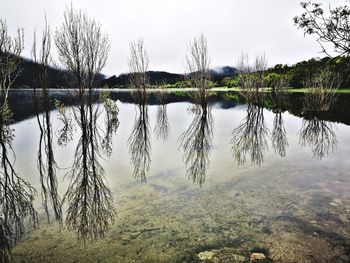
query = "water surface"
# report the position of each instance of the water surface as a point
(233, 179)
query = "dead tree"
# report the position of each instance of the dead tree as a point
(46, 160)
(198, 62)
(138, 66)
(252, 75)
(321, 90)
(16, 195)
(83, 50)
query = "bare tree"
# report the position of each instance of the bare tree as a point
(198, 63)
(330, 26)
(10, 62)
(46, 161)
(321, 89)
(83, 51)
(138, 66)
(16, 195)
(252, 75)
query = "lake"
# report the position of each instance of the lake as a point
(171, 182)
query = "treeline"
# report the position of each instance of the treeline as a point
(297, 75)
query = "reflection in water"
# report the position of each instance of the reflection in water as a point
(65, 133)
(162, 127)
(90, 203)
(319, 135)
(140, 144)
(279, 134)
(46, 161)
(139, 140)
(16, 195)
(197, 142)
(316, 133)
(111, 121)
(321, 90)
(249, 138)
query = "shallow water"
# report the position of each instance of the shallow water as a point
(232, 181)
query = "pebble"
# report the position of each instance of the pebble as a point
(257, 256)
(206, 255)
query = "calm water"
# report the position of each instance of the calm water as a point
(232, 179)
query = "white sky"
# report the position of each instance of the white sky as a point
(231, 26)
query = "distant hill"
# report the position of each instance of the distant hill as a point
(61, 78)
(162, 77)
(30, 71)
(156, 78)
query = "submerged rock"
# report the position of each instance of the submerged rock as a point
(206, 255)
(224, 255)
(257, 256)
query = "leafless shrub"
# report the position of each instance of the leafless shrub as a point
(321, 89)
(252, 75)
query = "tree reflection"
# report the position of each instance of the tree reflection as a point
(319, 135)
(279, 134)
(139, 140)
(16, 195)
(90, 202)
(162, 127)
(83, 49)
(316, 133)
(197, 141)
(111, 121)
(65, 133)
(249, 138)
(46, 161)
(140, 144)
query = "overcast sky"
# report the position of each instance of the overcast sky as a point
(231, 26)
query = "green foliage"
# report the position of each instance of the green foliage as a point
(301, 71)
(7, 118)
(233, 82)
(104, 96)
